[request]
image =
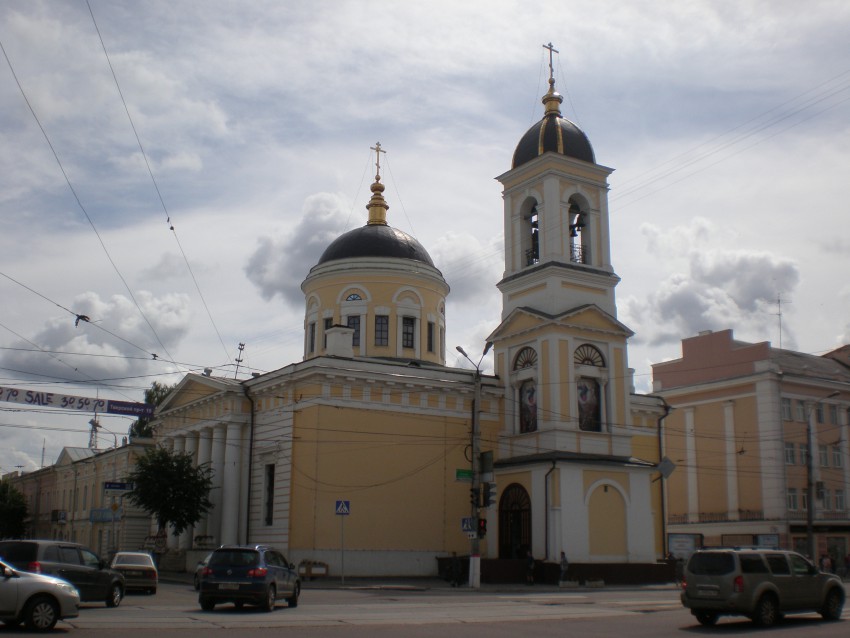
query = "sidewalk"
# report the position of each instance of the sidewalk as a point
(433, 584)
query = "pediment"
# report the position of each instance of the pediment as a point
(586, 318)
(193, 388)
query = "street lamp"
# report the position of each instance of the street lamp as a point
(810, 478)
(475, 543)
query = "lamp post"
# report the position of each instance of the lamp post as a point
(475, 543)
(810, 477)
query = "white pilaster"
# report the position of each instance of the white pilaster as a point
(231, 486)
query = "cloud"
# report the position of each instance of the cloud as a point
(279, 264)
(114, 341)
(708, 288)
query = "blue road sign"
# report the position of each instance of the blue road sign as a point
(343, 508)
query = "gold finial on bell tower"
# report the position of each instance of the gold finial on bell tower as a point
(552, 100)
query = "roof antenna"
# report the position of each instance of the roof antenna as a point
(239, 359)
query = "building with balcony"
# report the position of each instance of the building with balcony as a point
(750, 429)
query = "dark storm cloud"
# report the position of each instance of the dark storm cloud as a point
(279, 264)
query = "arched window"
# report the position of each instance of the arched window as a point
(579, 233)
(514, 522)
(588, 355)
(588, 388)
(353, 297)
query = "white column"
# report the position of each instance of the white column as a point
(204, 458)
(179, 444)
(732, 505)
(216, 494)
(184, 542)
(231, 486)
(692, 468)
(245, 477)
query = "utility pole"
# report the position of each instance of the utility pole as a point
(475, 541)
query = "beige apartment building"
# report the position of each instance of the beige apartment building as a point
(69, 500)
(750, 428)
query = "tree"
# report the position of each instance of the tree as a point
(154, 395)
(168, 486)
(13, 511)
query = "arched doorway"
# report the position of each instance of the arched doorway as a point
(514, 522)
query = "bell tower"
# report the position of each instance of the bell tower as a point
(557, 242)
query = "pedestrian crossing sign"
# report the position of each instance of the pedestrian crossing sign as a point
(343, 508)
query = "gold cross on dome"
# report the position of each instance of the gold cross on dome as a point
(551, 51)
(378, 150)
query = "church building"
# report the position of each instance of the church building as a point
(361, 456)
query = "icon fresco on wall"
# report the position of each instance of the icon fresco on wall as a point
(589, 407)
(527, 407)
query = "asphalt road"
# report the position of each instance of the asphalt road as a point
(422, 611)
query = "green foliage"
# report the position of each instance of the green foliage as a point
(13, 511)
(170, 487)
(154, 395)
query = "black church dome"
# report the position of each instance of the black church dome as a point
(556, 134)
(376, 240)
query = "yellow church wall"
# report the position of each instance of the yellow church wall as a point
(607, 522)
(617, 371)
(607, 512)
(565, 388)
(372, 459)
(385, 290)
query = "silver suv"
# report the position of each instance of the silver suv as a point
(759, 583)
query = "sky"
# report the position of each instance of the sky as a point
(170, 171)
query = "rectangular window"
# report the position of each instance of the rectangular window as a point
(827, 501)
(820, 412)
(792, 498)
(382, 330)
(804, 453)
(408, 327)
(836, 456)
(312, 345)
(430, 336)
(789, 454)
(329, 322)
(833, 414)
(839, 500)
(823, 453)
(801, 411)
(354, 324)
(786, 409)
(268, 495)
(804, 500)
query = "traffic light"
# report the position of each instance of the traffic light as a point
(482, 527)
(474, 496)
(488, 494)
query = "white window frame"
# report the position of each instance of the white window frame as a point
(790, 454)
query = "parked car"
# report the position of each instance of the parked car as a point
(199, 570)
(760, 583)
(253, 574)
(69, 561)
(36, 600)
(139, 570)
